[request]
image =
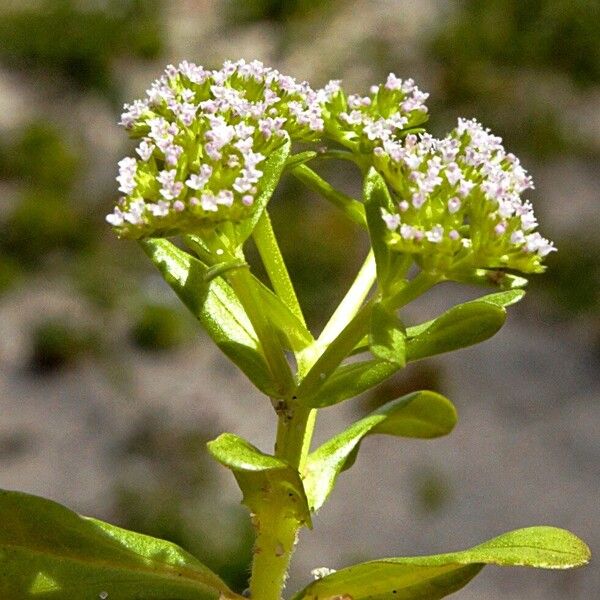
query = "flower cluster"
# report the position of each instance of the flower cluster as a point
(205, 135)
(458, 202)
(365, 123)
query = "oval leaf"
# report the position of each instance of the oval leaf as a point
(46, 550)
(388, 337)
(417, 415)
(434, 577)
(265, 480)
(215, 305)
(351, 380)
(461, 326)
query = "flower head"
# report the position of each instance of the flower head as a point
(458, 202)
(205, 137)
(366, 123)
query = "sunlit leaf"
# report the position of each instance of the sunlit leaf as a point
(434, 577)
(388, 337)
(48, 551)
(215, 305)
(264, 480)
(417, 415)
(351, 380)
(461, 326)
(284, 320)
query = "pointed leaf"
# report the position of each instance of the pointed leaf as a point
(388, 338)
(461, 326)
(434, 577)
(263, 479)
(418, 415)
(215, 305)
(272, 170)
(46, 550)
(284, 320)
(349, 381)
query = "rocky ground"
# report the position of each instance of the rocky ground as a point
(526, 449)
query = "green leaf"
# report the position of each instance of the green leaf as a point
(377, 198)
(461, 326)
(503, 299)
(417, 415)
(272, 171)
(349, 381)
(434, 577)
(288, 324)
(215, 305)
(264, 479)
(48, 551)
(388, 338)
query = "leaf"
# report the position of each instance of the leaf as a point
(377, 198)
(48, 551)
(388, 338)
(272, 171)
(215, 305)
(349, 381)
(288, 324)
(503, 299)
(264, 480)
(417, 415)
(434, 577)
(461, 326)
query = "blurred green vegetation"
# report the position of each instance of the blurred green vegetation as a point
(169, 504)
(79, 41)
(58, 344)
(510, 63)
(274, 10)
(543, 35)
(159, 328)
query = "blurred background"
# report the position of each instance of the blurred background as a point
(109, 390)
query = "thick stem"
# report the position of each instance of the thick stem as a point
(275, 540)
(277, 530)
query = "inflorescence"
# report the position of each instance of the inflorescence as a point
(206, 136)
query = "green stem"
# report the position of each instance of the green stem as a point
(356, 329)
(269, 251)
(352, 208)
(351, 303)
(277, 529)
